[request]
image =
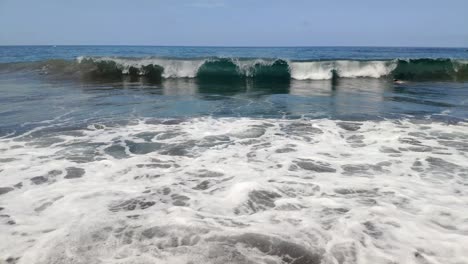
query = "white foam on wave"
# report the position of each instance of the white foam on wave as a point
(459, 64)
(315, 70)
(207, 190)
(173, 68)
(323, 70)
(373, 69)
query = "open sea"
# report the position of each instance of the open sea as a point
(195, 155)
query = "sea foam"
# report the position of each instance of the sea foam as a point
(211, 190)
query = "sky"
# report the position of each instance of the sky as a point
(416, 23)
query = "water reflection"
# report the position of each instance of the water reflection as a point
(360, 98)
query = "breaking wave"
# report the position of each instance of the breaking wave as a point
(259, 69)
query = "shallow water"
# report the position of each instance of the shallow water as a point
(186, 170)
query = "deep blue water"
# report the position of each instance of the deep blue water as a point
(35, 53)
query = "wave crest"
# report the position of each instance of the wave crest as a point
(258, 69)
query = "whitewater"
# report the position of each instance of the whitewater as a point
(237, 191)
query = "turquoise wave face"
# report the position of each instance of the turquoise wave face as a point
(432, 69)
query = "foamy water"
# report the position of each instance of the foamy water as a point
(236, 190)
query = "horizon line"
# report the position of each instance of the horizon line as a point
(227, 46)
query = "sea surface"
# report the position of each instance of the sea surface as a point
(301, 155)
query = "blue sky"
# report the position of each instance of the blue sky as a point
(235, 23)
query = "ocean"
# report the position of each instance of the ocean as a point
(301, 155)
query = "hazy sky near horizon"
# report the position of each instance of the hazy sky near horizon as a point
(235, 22)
